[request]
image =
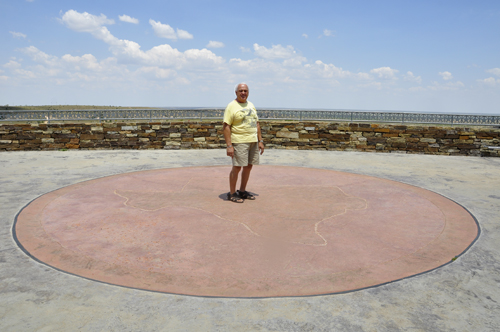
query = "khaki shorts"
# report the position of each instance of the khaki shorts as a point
(246, 154)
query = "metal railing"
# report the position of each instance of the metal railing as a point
(264, 114)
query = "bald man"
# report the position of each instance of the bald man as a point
(244, 142)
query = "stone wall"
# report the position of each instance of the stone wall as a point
(423, 139)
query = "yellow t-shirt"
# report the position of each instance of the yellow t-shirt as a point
(243, 121)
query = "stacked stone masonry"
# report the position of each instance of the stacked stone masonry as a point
(388, 138)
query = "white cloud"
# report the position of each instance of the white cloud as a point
(446, 75)
(245, 49)
(291, 58)
(156, 73)
(446, 87)
(293, 62)
(412, 78)
(386, 73)
(128, 51)
(305, 35)
(67, 68)
(491, 81)
(166, 56)
(12, 64)
(215, 44)
(162, 69)
(40, 57)
(17, 34)
(202, 58)
(324, 70)
(26, 74)
(128, 19)
(87, 61)
(458, 84)
(254, 66)
(163, 30)
(85, 22)
(182, 34)
(494, 71)
(275, 52)
(268, 72)
(166, 31)
(328, 33)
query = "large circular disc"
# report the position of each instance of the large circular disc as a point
(309, 231)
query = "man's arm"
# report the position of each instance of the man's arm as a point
(226, 129)
(259, 136)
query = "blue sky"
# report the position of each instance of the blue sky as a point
(423, 56)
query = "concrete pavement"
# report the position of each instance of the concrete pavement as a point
(463, 296)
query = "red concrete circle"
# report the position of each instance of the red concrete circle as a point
(310, 231)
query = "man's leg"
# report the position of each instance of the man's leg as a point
(245, 175)
(233, 178)
(253, 159)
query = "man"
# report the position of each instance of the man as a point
(244, 141)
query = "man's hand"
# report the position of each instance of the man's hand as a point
(227, 137)
(259, 135)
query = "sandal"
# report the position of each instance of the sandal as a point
(246, 195)
(234, 198)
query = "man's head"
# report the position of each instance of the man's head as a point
(242, 92)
